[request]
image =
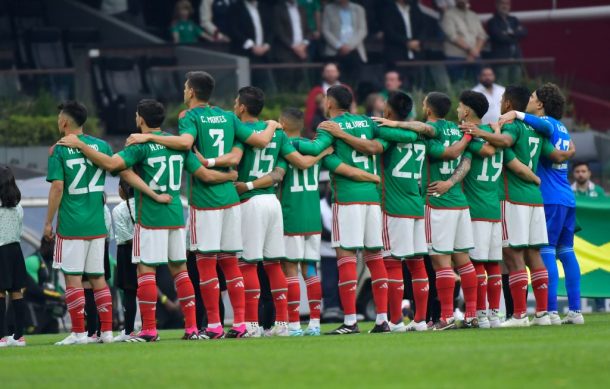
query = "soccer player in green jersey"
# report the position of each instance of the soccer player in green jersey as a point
(159, 236)
(300, 201)
(215, 212)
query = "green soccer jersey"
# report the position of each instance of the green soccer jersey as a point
(481, 182)
(256, 162)
(81, 211)
(438, 169)
(300, 197)
(527, 147)
(215, 132)
(161, 169)
(344, 190)
(401, 168)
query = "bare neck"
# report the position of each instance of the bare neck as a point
(196, 103)
(75, 131)
(333, 113)
(247, 118)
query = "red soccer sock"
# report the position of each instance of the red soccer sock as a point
(252, 290)
(494, 284)
(186, 296)
(469, 287)
(279, 289)
(379, 280)
(396, 288)
(540, 285)
(518, 290)
(348, 278)
(421, 287)
(209, 287)
(75, 300)
(294, 299)
(445, 283)
(479, 267)
(314, 296)
(103, 301)
(235, 286)
(147, 298)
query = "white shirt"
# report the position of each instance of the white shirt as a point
(295, 21)
(494, 98)
(123, 222)
(404, 12)
(252, 8)
(11, 225)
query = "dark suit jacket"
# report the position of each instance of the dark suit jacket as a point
(395, 32)
(503, 43)
(241, 27)
(283, 34)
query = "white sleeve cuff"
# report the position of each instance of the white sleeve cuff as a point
(520, 115)
(248, 44)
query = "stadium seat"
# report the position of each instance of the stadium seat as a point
(165, 86)
(45, 48)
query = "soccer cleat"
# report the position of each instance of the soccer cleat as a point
(494, 319)
(238, 332)
(574, 317)
(555, 318)
(442, 324)
(400, 327)
(345, 330)
(484, 322)
(417, 326)
(123, 337)
(74, 338)
(145, 337)
(10, 341)
(210, 334)
(4, 342)
(295, 332)
(93, 339)
(253, 329)
(382, 328)
(312, 331)
(279, 329)
(470, 322)
(515, 322)
(106, 337)
(543, 319)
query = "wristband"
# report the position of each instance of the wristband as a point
(250, 185)
(211, 162)
(520, 115)
(468, 137)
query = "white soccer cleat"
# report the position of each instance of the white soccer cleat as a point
(543, 319)
(573, 318)
(279, 329)
(417, 326)
(253, 330)
(514, 322)
(494, 319)
(555, 319)
(74, 338)
(106, 337)
(10, 341)
(93, 339)
(483, 322)
(458, 315)
(122, 337)
(400, 327)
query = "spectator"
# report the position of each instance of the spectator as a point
(290, 43)
(444, 5)
(393, 83)
(211, 10)
(374, 105)
(403, 26)
(184, 30)
(248, 31)
(344, 29)
(505, 32)
(465, 37)
(492, 91)
(330, 77)
(582, 185)
(313, 18)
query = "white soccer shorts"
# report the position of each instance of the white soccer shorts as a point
(262, 229)
(487, 241)
(79, 256)
(525, 225)
(357, 226)
(153, 247)
(302, 247)
(404, 237)
(448, 231)
(215, 230)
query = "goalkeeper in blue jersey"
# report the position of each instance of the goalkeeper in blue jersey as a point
(544, 111)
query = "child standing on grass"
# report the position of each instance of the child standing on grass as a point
(126, 275)
(12, 265)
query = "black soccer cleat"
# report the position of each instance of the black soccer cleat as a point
(382, 328)
(210, 335)
(144, 338)
(345, 330)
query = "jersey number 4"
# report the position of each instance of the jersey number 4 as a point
(93, 186)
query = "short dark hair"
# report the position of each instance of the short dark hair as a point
(202, 84)
(75, 110)
(486, 67)
(342, 95)
(439, 103)
(580, 163)
(253, 98)
(292, 113)
(475, 101)
(518, 96)
(10, 195)
(152, 111)
(552, 100)
(400, 103)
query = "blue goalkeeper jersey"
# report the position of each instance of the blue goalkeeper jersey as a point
(554, 186)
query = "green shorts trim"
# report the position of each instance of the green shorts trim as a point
(94, 274)
(262, 259)
(463, 250)
(155, 264)
(360, 248)
(72, 273)
(408, 257)
(485, 260)
(528, 246)
(437, 252)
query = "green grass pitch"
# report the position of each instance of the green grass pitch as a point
(565, 356)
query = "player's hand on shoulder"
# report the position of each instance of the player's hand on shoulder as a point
(240, 187)
(470, 129)
(439, 188)
(333, 128)
(273, 123)
(506, 118)
(385, 122)
(496, 127)
(137, 138)
(71, 141)
(164, 198)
